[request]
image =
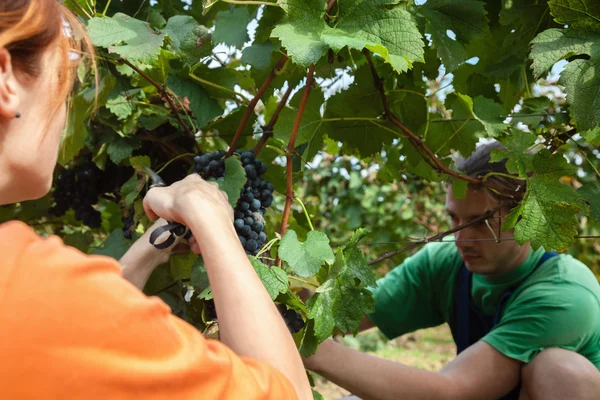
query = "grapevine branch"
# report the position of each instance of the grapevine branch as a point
(268, 129)
(414, 139)
(167, 96)
(252, 104)
(437, 237)
(289, 197)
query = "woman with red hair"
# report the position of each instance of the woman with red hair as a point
(86, 332)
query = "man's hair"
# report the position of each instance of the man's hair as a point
(507, 190)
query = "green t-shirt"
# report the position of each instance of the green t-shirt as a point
(558, 305)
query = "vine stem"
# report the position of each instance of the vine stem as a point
(330, 5)
(289, 197)
(174, 159)
(233, 92)
(268, 129)
(82, 10)
(251, 2)
(424, 151)
(414, 139)
(252, 104)
(166, 94)
(437, 237)
(312, 228)
(304, 281)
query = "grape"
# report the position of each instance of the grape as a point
(257, 227)
(255, 205)
(79, 188)
(250, 171)
(251, 245)
(256, 195)
(292, 319)
(262, 237)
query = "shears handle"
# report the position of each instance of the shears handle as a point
(175, 229)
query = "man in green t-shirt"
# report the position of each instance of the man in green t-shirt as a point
(526, 322)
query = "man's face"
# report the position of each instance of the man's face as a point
(485, 257)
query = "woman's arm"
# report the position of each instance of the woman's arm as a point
(249, 322)
(141, 259)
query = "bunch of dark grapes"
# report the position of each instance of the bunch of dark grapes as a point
(77, 188)
(292, 319)
(211, 311)
(256, 195)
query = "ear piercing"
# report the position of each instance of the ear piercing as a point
(18, 115)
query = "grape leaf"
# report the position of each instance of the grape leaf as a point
(465, 18)
(343, 306)
(199, 277)
(547, 215)
(461, 134)
(533, 105)
(309, 342)
(474, 119)
(360, 24)
(553, 45)
(306, 258)
(120, 148)
(143, 44)
(580, 77)
(517, 143)
(347, 113)
(204, 107)
(231, 27)
(307, 37)
(73, 140)
(459, 188)
(120, 105)
(300, 34)
(591, 194)
(114, 246)
(182, 265)
(192, 41)
(592, 136)
(139, 162)
(274, 279)
(235, 179)
(226, 126)
(584, 14)
(259, 54)
(489, 113)
(356, 263)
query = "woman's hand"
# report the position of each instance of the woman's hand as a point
(189, 200)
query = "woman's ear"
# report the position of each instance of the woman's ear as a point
(9, 93)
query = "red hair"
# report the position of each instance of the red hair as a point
(29, 27)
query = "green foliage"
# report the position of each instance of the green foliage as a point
(175, 79)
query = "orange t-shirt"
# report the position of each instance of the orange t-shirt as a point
(72, 328)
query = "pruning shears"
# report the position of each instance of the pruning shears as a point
(175, 229)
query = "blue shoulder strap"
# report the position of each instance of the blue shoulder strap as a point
(463, 310)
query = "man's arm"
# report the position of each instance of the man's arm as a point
(479, 372)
